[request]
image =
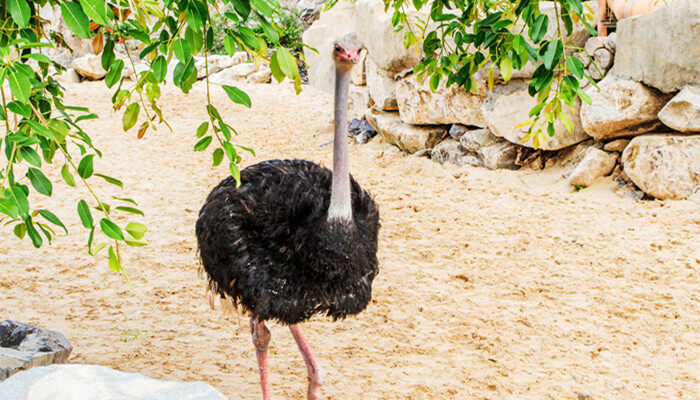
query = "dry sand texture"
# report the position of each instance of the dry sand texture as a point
(493, 284)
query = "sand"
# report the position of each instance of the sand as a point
(493, 284)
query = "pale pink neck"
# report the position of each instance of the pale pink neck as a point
(340, 207)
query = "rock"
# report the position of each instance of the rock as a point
(409, 138)
(616, 145)
(235, 73)
(361, 130)
(358, 75)
(216, 64)
(594, 164)
(321, 35)
(68, 76)
(508, 105)
(661, 48)
(571, 155)
(375, 32)
(89, 66)
(584, 395)
(593, 44)
(456, 131)
(96, 382)
(239, 57)
(474, 140)
(665, 166)
(621, 108)
(499, 156)
(624, 186)
(610, 42)
(595, 73)
(584, 58)
(682, 112)
(418, 104)
(24, 346)
(603, 58)
(451, 152)
(358, 101)
(309, 11)
(263, 75)
(381, 87)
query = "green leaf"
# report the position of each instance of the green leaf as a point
(111, 180)
(195, 39)
(435, 81)
(242, 8)
(111, 229)
(538, 28)
(114, 263)
(554, 52)
(85, 166)
(51, 217)
(235, 173)
(38, 57)
(8, 208)
(67, 176)
(506, 67)
(287, 63)
(20, 12)
(136, 242)
(568, 123)
(19, 85)
(39, 181)
(125, 199)
(30, 155)
(136, 230)
(575, 66)
(18, 196)
(237, 95)
(114, 73)
(96, 10)
(107, 54)
(275, 68)
(75, 19)
(20, 230)
(185, 75)
(160, 68)
(202, 129)
(202, 144)
(131, 115)
(218, 156)
(130, 210)
(85, 214)
(182, 50)
(33, 234)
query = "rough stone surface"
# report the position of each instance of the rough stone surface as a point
(508, 105)
(358, 101)
(418, 104)
(665, 166)
(499, 156)
(594, 164)
(621, 107)
(95, 382)
(409, 138)
(661, 48)
(235, 73)
(592, 44)
(24, 346)
(603, 58)
(447, 151)
(616, 145)
(263, 75)
(89, 66)
(331, 25)
(474, 140)
(361, 130)
(358, 74)
(682, 112)
(216, 64)
(375, 32)
(381, 87)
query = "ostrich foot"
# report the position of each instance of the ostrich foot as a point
(261, 337)
(313, 367)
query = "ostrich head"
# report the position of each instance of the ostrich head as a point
(346, 51)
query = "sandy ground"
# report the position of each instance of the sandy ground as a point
(493, 284)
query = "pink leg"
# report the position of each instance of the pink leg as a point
(313, 367)
(261, 337)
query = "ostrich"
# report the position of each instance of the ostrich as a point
(294, 239)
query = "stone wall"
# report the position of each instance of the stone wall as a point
(642, 124)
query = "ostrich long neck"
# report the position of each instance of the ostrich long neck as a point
(340, 207)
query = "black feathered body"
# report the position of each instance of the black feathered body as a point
(268, 245)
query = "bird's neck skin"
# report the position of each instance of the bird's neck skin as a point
(340, 207)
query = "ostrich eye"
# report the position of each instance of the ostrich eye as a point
(336, 48)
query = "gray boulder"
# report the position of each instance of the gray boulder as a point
(95, 382)
(594, 164)
(665, 166)
(499, 156)
(621, 107)
(682, 112)
(474, 140)
(89, 66)
(409, 138)
(661, 48)
(23, 346)
(381, 86)
(451, 152)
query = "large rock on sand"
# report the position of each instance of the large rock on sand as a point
(95, 382)
(508, 105)
(621, 107)
(381, 86)
(418, 104)
(665, 166)
(23, 346)
(409, 138)
(89, 66)
(682, 112)
(661, 48)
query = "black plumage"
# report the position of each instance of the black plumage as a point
(270, 247)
